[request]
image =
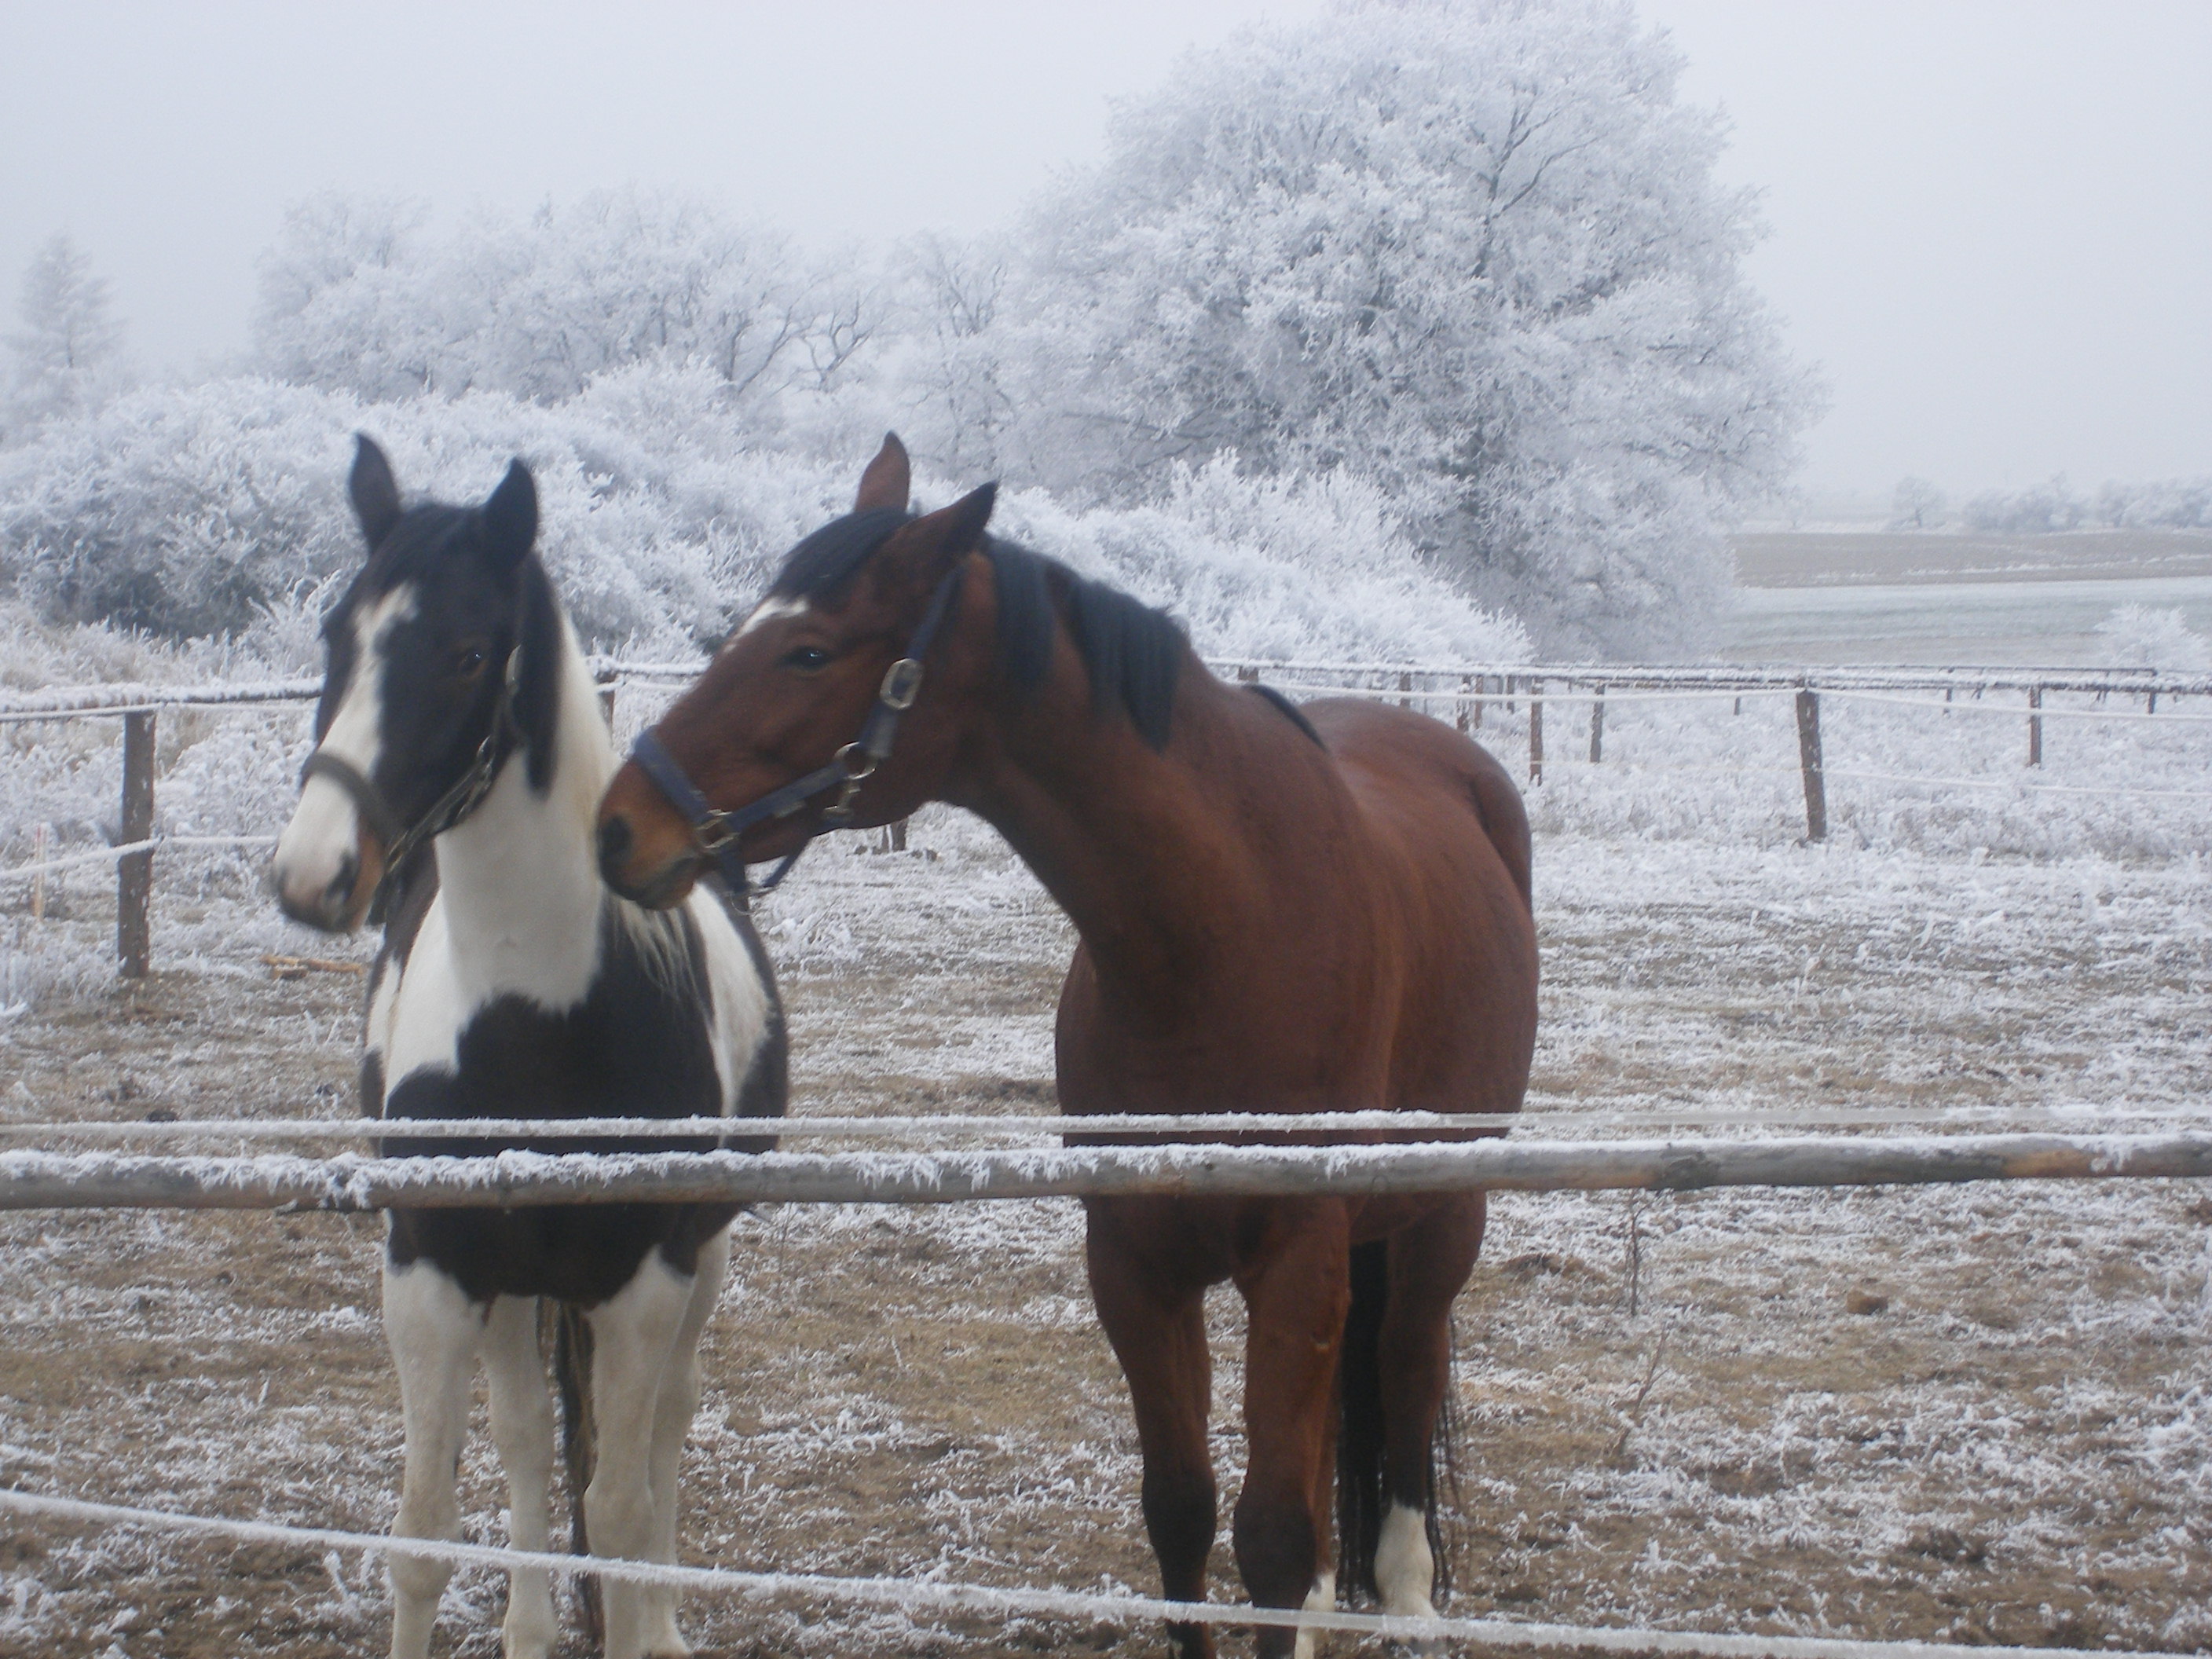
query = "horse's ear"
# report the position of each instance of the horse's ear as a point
(376, 492)
(929, 546)
(511, 516)
(889, 480)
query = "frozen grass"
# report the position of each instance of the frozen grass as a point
(1700, 1434)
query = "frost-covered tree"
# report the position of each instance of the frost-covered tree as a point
(1917, 504)
(2145, 637)
(1474, 252)
(66, 356)
(356, 295)
(2161, 504)
(2037, 510)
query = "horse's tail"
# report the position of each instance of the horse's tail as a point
(570, 1339)
(1361, 1500)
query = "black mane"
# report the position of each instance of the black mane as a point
(1133, 653)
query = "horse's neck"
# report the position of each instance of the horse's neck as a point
(517, 879)
(1141, 849)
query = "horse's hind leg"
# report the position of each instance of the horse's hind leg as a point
(633, 1333)
(1296, 1295)
(1159, 1334)
(522, 1428)
(672, 1413)
(1430, 1263)
(433, 1330)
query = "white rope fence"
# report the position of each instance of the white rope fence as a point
(112, 854)
(931, 1595)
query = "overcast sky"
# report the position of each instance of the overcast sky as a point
(1993, 219)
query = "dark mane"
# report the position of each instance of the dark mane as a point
(1133, 653)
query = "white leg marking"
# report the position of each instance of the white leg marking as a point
(677, 1404)
(1321, 1598)
(633, 1334)
(522, 1428)
(433, 1332)
(1405, 1572)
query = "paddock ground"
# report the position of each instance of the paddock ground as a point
(2016, 1448)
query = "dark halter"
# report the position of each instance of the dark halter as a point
(718, 834)
(448, 810)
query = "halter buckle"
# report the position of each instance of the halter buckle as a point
(712, 835)
(902, 684)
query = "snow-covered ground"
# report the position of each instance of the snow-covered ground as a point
(2036, 621)
(2013, 1448)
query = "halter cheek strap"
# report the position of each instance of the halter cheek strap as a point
(718, 834)
(450, 809)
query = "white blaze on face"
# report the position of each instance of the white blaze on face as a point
(770, 611)
(325, 826)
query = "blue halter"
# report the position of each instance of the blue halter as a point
(718, 834)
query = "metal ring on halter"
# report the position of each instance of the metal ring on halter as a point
(902, 684)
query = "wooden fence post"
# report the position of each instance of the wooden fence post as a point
(1406, 683)
(1597, 726)
(1465, 683)
(1808, 758)
(2034, 726)
(607, 705)
(1535, 732)
(134, 871)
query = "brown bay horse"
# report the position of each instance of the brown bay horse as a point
(1279, 910)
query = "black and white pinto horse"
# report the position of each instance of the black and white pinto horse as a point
(461, 752)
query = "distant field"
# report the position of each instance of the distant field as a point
(1816, 558)
(1867, 596)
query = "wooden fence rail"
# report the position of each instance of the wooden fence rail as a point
(46, 1180)
(1467, 686)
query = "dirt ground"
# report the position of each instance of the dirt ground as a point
(1669, 1412)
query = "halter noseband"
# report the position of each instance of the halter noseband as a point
(448, 810)
(717, 834)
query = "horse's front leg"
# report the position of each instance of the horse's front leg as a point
(677, 1404)
(433, 1331)
(1158, 1330)
(633, 1334)
(1297, 1291)
(522, 1428)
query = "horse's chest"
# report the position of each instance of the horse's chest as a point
(625, 1047)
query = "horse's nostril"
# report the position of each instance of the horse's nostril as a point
(341, 887)
(614, 843)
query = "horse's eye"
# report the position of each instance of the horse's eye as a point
(807, 659)
(468, 662)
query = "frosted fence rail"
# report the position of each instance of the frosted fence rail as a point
(46, 1181)
(1216, 1125)
(940, 1595)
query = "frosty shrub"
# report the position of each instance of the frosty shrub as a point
(1475, 253)
(1300, 569)
(186, 512)
(2143, 636)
